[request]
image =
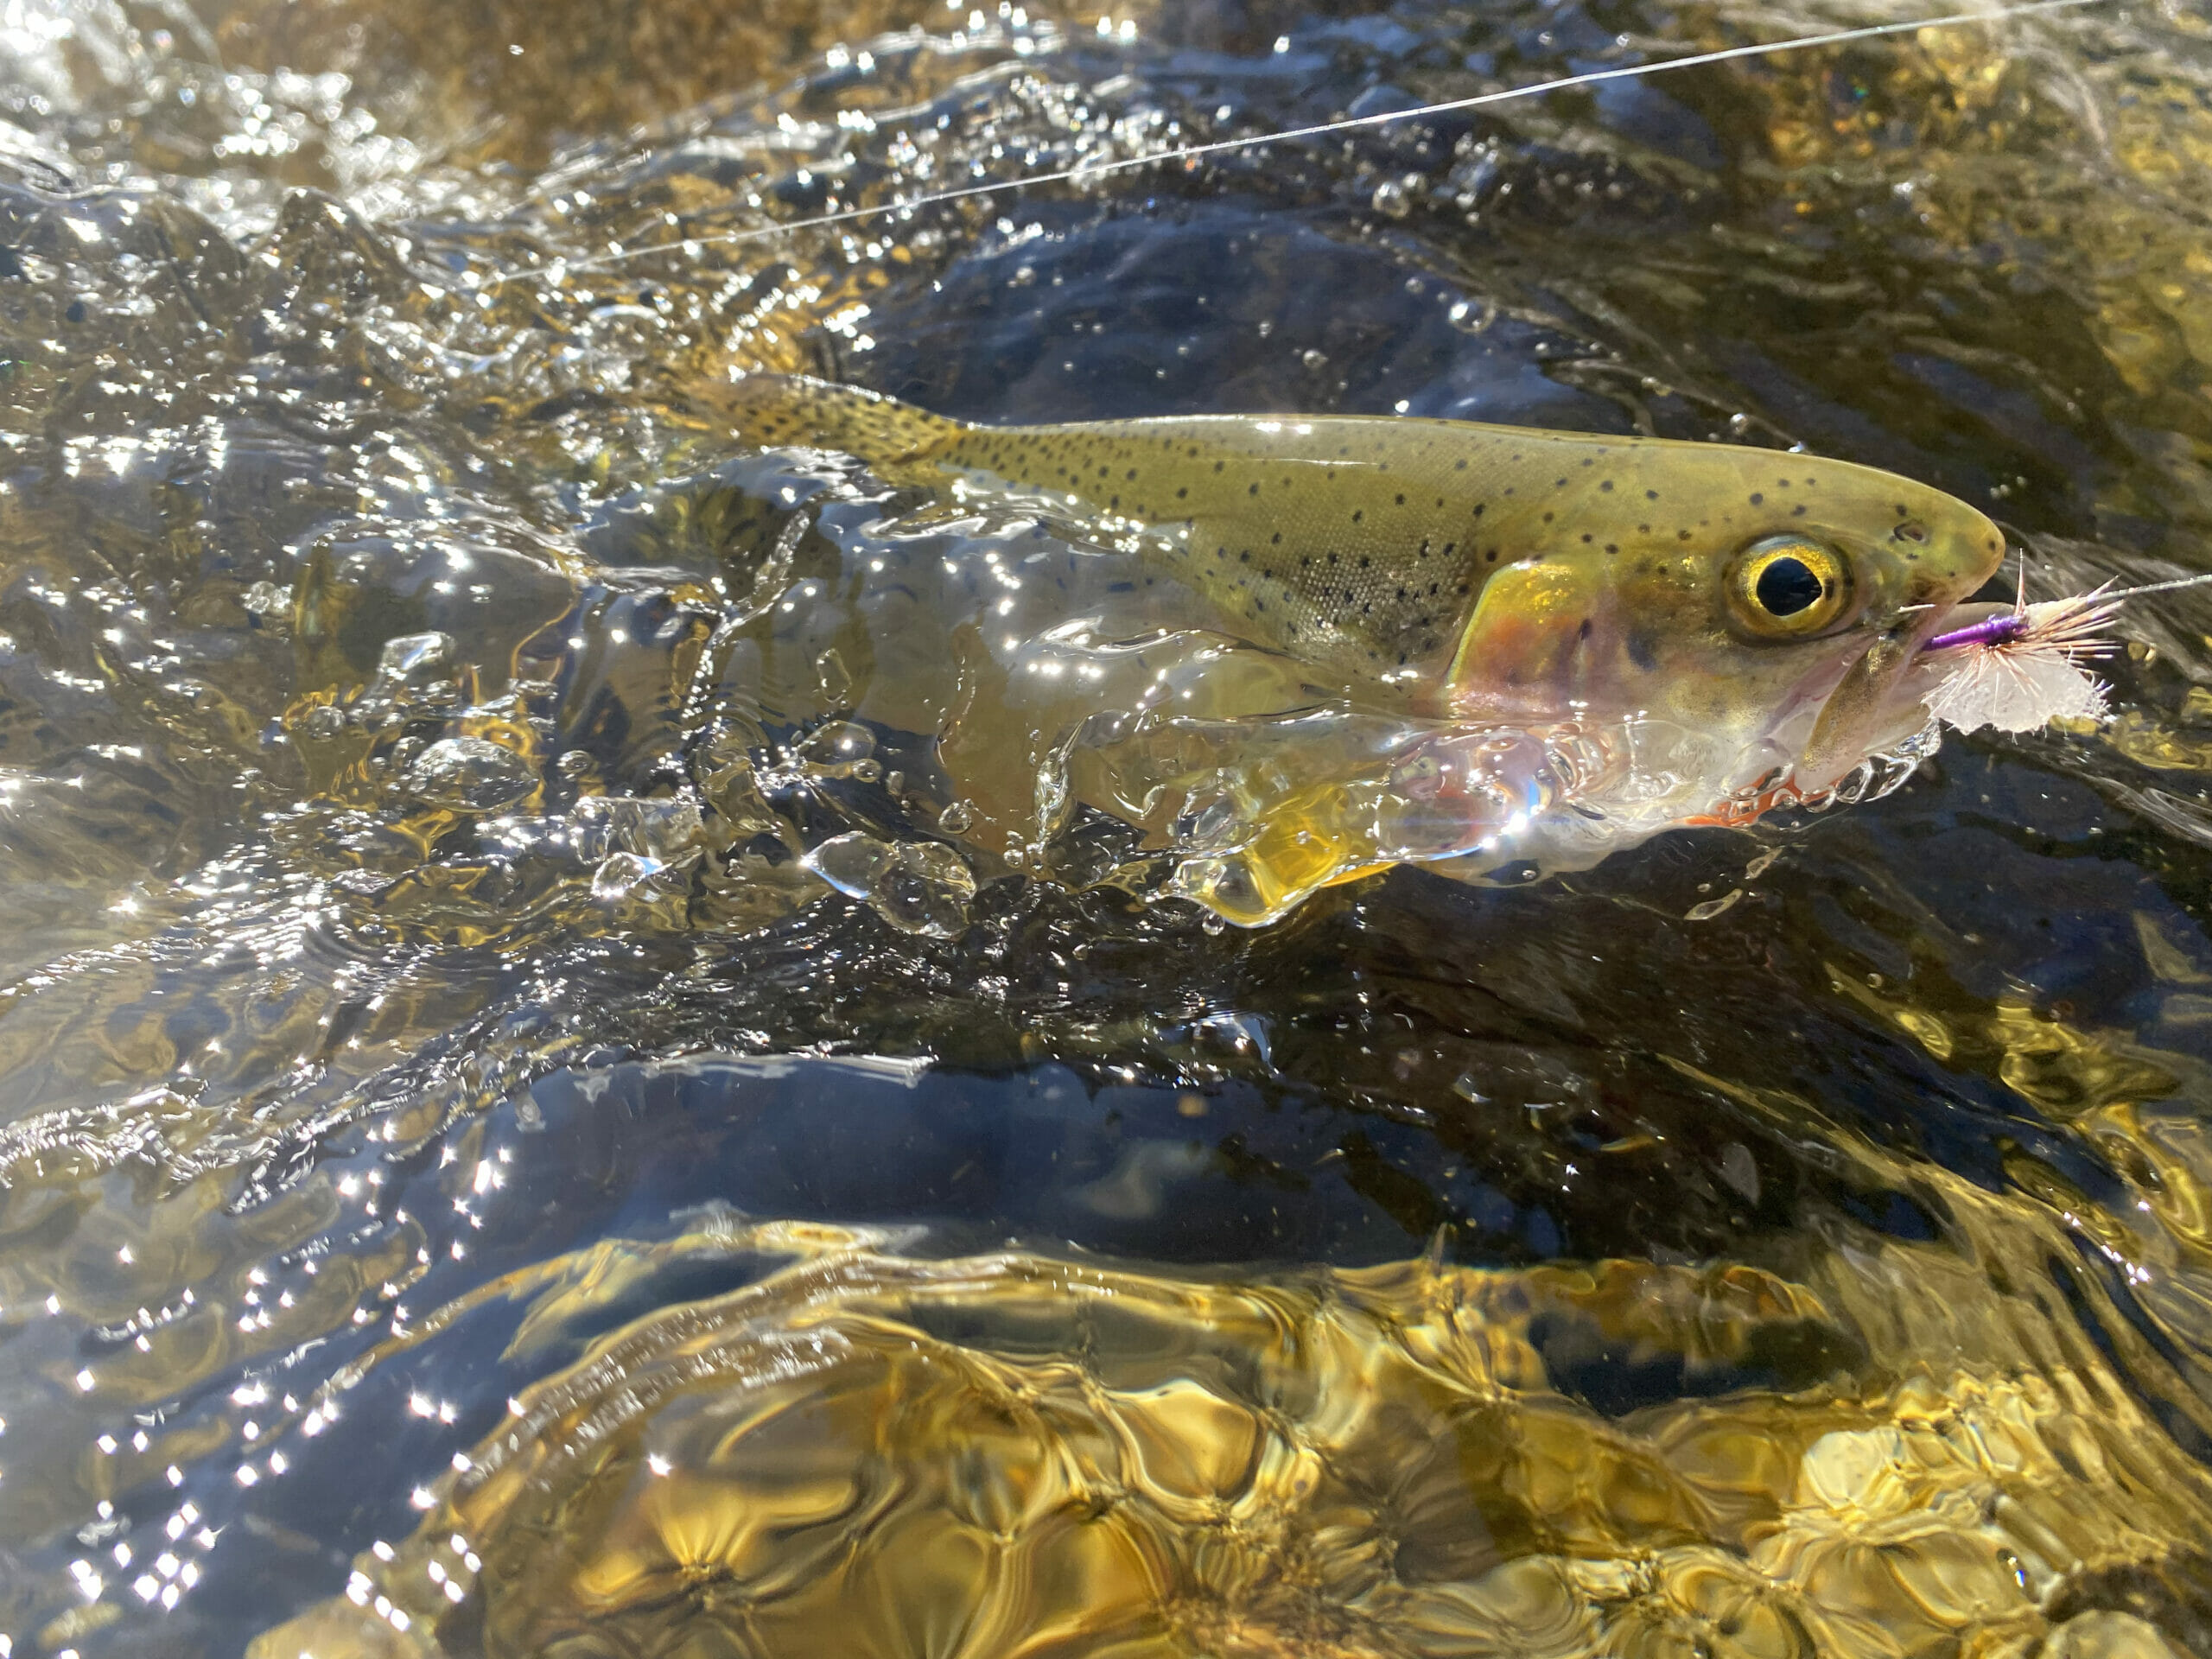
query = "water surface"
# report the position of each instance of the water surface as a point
(469, 1186)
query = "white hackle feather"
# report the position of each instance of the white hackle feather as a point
(2033, 674)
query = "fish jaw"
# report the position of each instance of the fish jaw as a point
(1867, 711)
(1881, 700)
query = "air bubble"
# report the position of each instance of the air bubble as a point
(621, 875)
(469, 774)
(1712, 907)
(1392, 199)
(266, 598)
(840, 749)
(917, 887)
(415, 657)
(834, 680)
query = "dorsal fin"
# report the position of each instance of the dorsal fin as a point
(769, 410)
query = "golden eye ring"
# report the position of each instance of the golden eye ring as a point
(1788, 588)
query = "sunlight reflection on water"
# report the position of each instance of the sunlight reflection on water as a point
(427, 988)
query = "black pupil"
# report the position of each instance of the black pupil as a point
(1786, 587)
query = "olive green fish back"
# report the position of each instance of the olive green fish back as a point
(1351, 540)
(1354, 540)
(1509, 570)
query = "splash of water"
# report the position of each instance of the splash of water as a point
(1094, 168)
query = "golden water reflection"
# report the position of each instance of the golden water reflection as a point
(1010, 1455)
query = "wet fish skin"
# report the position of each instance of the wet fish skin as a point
(1492, 571)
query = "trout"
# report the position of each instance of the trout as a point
(1490, 576)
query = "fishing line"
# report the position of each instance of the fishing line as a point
(1320, 129)
(2157, 587)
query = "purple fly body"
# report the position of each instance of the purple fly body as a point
(1990, 630)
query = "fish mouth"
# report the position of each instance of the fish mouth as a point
(1879, 701)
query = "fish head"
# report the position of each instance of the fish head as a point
(1772, 604)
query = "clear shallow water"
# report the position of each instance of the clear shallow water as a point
(415, 1001)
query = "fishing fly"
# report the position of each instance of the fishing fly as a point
(2022, 669)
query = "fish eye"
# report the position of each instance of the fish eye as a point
(1786, 585)
(1788, 588)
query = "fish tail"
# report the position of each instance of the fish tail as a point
(769, 410)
